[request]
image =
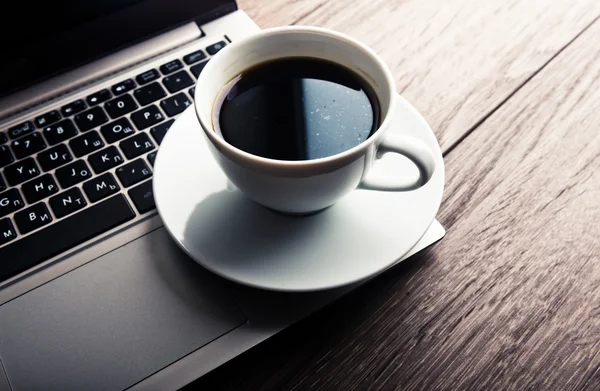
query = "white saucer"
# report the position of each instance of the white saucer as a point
(222, 230)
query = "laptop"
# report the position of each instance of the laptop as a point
(94, 294)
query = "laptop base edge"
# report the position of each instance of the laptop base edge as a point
(218, 352)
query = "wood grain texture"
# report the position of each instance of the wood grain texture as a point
(453, 59)
(510, 299)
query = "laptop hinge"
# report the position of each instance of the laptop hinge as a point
(97, 70)
(217, 13)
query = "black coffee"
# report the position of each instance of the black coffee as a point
(296, 109)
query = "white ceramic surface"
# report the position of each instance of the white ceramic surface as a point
(310, 185)
(221, 229)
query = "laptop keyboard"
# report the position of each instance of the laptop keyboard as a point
(55, 191)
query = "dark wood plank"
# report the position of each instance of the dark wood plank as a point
(454, 60)
(510, 299)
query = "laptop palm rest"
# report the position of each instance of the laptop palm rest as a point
(128, 313)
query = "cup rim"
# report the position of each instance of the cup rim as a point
(308, 167)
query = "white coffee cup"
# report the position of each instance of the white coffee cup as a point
(307, 186)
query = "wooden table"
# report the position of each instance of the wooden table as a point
(510, 299)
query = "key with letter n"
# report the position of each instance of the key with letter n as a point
(67, 202)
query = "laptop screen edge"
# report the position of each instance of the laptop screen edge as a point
(48, 56)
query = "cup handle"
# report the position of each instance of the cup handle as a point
(413, 149)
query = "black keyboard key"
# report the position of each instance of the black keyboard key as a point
(159, 131)
(194, 57)
(73, 108)
(146, 117)
(7, 231)
(152, 158)
(117, 130)
(90, 119)
(192, 92)
(101, 187)
(54, 157)
(65, 234)
(5, 156)
(171, 67)
(73, 173)
(215, 47)
(86, 143)
(20, 130)
(178, 81)
(67, 202)
(47, 119)
(133, 172)
(3, 138)
(147, 77)
(175, 104)
(99, 97)
(33, 218)
(149, 93)
(2, 184)
(39, 188)
(136, 145)
(197, 69)
(120, 106)
(10, 201)
(123, 87)
(60, 132)
(105, 159)
(143, 197)
(21, 171)
(28, 145)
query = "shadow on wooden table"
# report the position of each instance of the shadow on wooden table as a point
(300, 345)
